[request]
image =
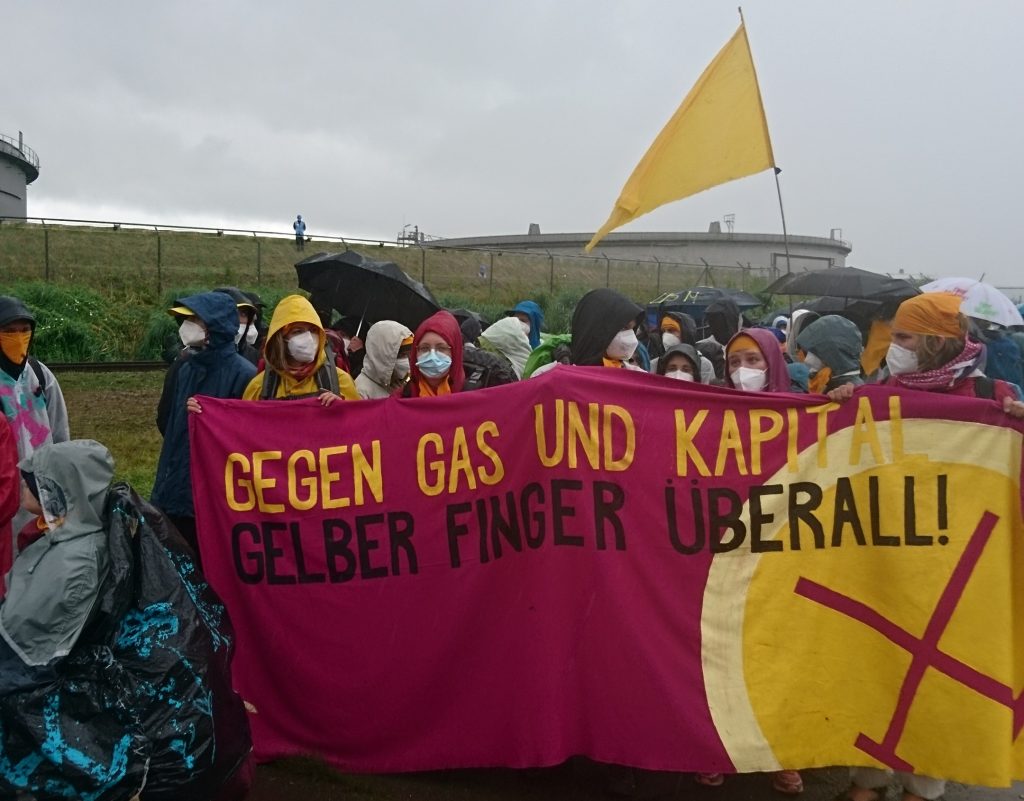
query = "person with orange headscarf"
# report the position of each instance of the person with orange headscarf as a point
(930, 351)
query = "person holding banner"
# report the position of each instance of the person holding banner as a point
(437, 370)
(831, 348)
(930, 351)
(296, 359)
(208, 323)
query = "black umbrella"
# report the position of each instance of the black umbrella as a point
(842, 282)
(370, 290)
(705, 296)
(694, 300)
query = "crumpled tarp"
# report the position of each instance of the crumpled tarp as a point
(144, 701)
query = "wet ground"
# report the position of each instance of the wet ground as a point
(577, 780)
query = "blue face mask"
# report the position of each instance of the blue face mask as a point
(434, 364)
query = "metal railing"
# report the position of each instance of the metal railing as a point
(18, 148)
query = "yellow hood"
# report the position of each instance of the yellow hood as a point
(293, 309)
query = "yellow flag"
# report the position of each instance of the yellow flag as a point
(718, 134)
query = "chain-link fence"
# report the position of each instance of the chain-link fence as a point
(147, 259)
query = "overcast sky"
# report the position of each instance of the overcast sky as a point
(898, 122)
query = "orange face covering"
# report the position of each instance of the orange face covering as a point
(15, 345)
(934, 313)
(819, 381)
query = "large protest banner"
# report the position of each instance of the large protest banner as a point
(626, 567)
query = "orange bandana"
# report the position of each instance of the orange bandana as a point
(934, 313)
(668, 324)
(15, 346)
(744, 342)
(606, 362)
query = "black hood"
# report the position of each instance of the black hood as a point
(12, 309)
(598, 317)
(723, 318)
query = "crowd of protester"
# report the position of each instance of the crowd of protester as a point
(227, 350)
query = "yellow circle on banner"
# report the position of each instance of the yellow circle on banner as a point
(818, 663)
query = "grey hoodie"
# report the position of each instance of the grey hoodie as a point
(54, 583)
(383, 341)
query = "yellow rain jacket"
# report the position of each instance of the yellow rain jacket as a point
(295, 309)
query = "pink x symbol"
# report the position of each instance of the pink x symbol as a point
(924, 650)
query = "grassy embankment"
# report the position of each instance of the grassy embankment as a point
(101, 294)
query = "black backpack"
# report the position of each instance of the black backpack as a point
(485, 369)
(326, 379)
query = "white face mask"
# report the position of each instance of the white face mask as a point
(252, 334)
(814, 364)
(526, 327)
(623, 346)
(669, 339)
(303, 347)
(193, 334)
(240, 333)
(401, 369)
(679, 375)
(901, 360)
(749, 379)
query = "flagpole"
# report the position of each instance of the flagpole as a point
(782, 211)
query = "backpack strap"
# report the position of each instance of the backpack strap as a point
(327, 377)
(326, 381)
(271, 381)
(37, 368)
(984, 387)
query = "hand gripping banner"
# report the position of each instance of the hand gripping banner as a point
(626, 567)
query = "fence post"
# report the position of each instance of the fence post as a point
(160, 266)
(423, 263)
(259, 259)
(551, 264)
(607, 271)
(490, 277)
(46, 252)
(657, 288)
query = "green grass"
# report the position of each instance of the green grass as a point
(119, 410)
(102, 294)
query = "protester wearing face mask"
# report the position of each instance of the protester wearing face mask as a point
(386, 365)
(245, 338)
(208, 323)
(930, 351)
(681, 362)
(436, 365)
(831, 348)
(603, 330)
(754, 363)
(531, 318)
(296, 361)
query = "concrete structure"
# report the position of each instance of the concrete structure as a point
(756, 251)
(19, 166)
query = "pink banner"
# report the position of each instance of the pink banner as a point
(625, 567)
